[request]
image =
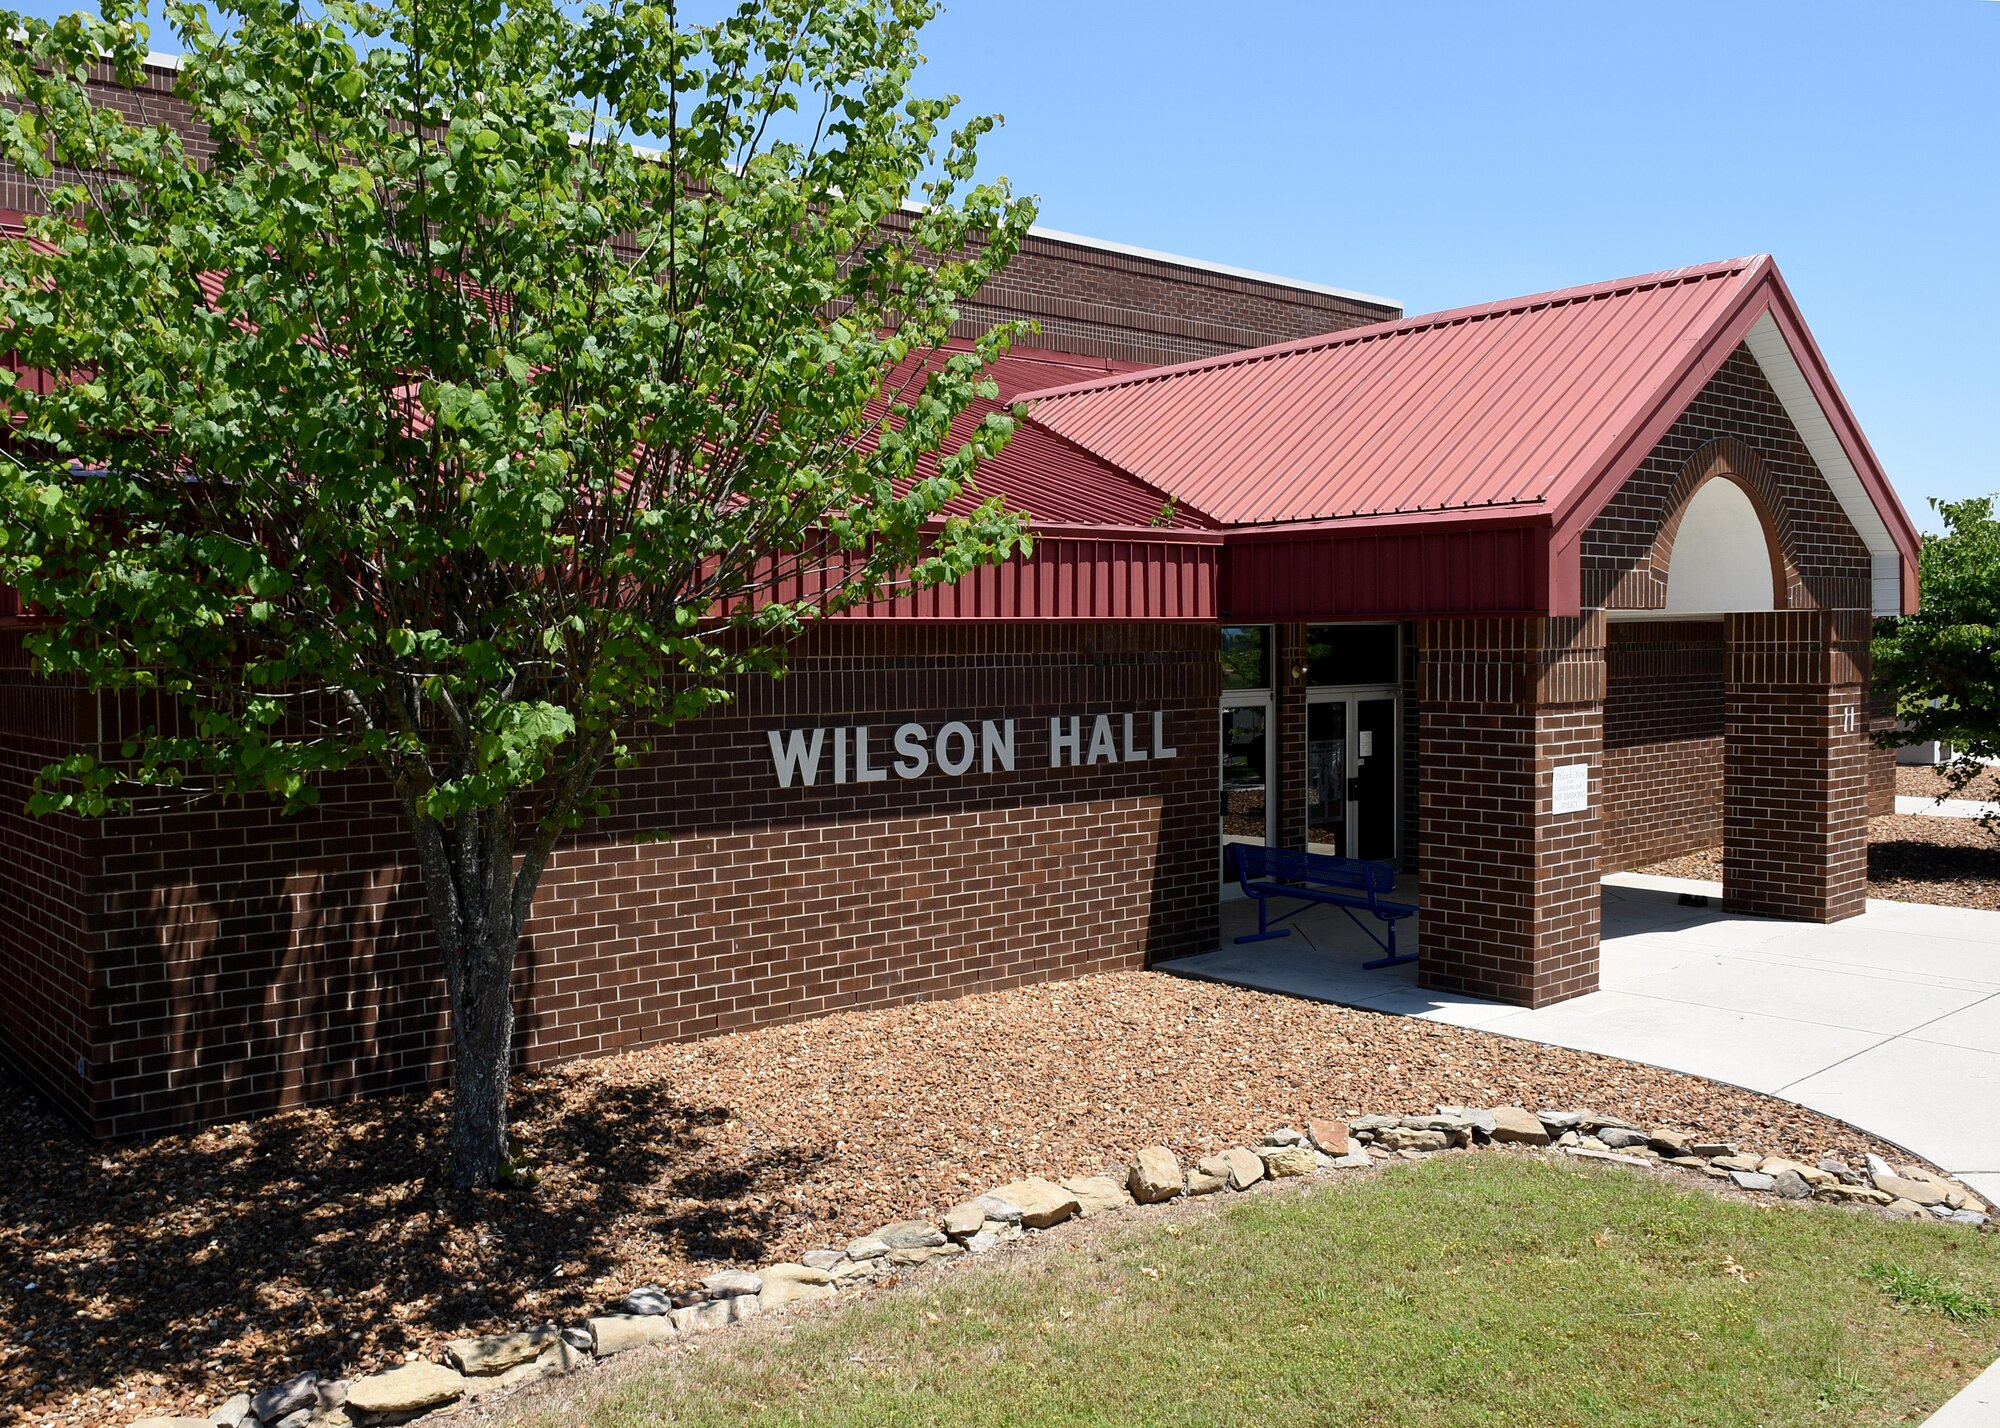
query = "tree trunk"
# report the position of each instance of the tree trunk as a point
(478, 902)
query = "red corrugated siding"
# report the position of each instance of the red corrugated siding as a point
(1384, 571)
(1079, 575)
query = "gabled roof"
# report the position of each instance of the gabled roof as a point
(1535, 409)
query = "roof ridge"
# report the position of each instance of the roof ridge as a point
(1420, 322)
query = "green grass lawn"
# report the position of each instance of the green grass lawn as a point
(1489, 1289)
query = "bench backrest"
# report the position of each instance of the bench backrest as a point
(1254, 860)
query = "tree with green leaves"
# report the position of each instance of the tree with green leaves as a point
(1942, 664)
(504, 381)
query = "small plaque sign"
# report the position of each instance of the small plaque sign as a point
(1571, 792)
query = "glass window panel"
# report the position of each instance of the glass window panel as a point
(1245, 765)
(1246, 656)
(1351, 654)
(1326, 777)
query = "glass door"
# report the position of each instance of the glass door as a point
(1352, 785)
(1246, 773)
(1326, 775)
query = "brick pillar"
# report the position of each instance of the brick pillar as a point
(1288, 773)
(1508, 886)
(1795, 764)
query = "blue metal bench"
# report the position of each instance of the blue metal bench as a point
(1350, 884)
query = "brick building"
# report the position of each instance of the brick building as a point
(1511, 596)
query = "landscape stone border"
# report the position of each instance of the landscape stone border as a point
(477, 1368)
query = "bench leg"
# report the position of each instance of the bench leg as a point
(1392, 960)
(1264, 932)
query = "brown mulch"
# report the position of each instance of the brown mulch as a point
(162, 1277)
(1953, 862)
(1918, 781)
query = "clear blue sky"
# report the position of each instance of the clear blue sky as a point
(1442, 154)
(1449, 153)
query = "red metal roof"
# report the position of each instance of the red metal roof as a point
(1503, 407)
(1043, 473)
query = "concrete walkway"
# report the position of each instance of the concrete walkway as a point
(1890, 1020)
(1946, 807)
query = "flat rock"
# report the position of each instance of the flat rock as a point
(576, 1336)
(1412, 1138)
(1876, 1165)
(1596, 1121)
(1711, 1148)
(290, 1396)
(1512, 1123)
(910, 1234)
(1155, 1175)
(1670, 1142)
(1904, 1207)
(924, 1254)
(1790, 1185)
(1558, 1121)
(646, 1299)
(700, 1318)
(1738, 1162)
(236, 1410)
(867, 1247)
(1329, 1136)
(850, 1271)
(1285, 1135)
(962, 1221)
(998, 1207)
(406, 1388)
(1481, 1122)
(615, 1333)
(1241, 1168)
(1043, 1202)
(790, 1283)
(1373, 1123)
(1281, 1161)
(1203, 1181)
(1623, 1137)
(1096, 1194)
(563, 1357)
(496, 1353)
(822, 1258)
(728, 1283)
(1918, 1192)
(1752, 1180)
(1614, 1157)
(744, 1306)
(1778, 1165)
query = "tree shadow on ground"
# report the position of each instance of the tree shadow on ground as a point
(330, 1237)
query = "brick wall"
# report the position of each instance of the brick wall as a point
(1795, 815)
(1662, 740)
(250, 961)
(46, 933)
(1509, 887)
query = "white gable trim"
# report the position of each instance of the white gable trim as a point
(1788, 379)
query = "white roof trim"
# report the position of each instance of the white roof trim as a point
(1788, 379)
(1105, 245)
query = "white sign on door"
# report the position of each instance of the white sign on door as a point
(1571, 790)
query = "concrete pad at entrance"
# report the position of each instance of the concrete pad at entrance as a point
(1890, 1020)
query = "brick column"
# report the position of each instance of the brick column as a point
(1795, 764)
(1509, 888)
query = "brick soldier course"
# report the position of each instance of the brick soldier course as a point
(199, 961)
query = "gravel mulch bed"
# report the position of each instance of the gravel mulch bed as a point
(1918, 781)
(160, 1277)
(1953, 862)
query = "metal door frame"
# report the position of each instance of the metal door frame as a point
(1350, 695)
(1265, 699)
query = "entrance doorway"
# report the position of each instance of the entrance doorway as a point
(1350, 773)
(1246, 773)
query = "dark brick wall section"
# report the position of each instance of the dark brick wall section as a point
(250, 961)
(1795, 820)
(1662, 740)
(1509, 888)
(46, 932)
(1737, 407)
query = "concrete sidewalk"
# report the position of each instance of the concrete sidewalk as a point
(1890, 1020)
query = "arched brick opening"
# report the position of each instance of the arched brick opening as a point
(1727, 458)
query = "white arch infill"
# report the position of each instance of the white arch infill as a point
(1722, 559)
